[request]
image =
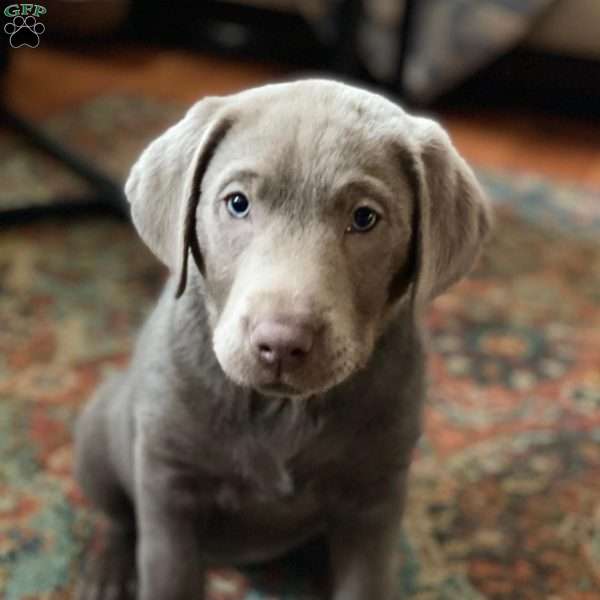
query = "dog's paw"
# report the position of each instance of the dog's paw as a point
(109, 574)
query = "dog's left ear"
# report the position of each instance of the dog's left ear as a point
(452, 214)
(164, 185)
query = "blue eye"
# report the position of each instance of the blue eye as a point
(237, 205)
(364, 218)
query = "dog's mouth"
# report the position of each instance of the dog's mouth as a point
(325, 368)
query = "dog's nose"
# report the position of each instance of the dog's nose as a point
(282, 343)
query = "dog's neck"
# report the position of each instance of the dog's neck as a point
(260, 436)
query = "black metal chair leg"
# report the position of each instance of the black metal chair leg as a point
(106, 193)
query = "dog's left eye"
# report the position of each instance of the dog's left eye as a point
(237, 205)
(364, 218)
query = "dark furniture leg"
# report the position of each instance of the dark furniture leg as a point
(105, 194)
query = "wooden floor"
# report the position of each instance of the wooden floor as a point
(42, 81)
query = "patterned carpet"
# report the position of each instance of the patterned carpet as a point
(505, 496)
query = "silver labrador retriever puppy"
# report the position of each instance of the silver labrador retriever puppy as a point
(275, 392)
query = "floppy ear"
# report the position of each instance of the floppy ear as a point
(163, 187)
(452, 214)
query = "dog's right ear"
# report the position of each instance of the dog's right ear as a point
(164, 185)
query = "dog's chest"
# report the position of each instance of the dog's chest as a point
(271, 459)
(279, 456)
(276, 459)
(258, 507)
(250, 472)
(251, 492)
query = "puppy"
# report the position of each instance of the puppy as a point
(275, 392)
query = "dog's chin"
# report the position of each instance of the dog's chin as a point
(278, 388)
(289, 389)
(281, 390)
(297, 385)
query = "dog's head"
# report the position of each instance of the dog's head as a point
(314, 211)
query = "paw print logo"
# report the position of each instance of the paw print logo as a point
(24, 31)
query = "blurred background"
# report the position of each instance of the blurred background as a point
(505, 498)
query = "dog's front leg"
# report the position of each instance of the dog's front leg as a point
(363, 547)
(168, 553)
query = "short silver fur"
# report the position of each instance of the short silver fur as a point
(192, 464)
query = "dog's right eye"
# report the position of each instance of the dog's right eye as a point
(238, 205)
